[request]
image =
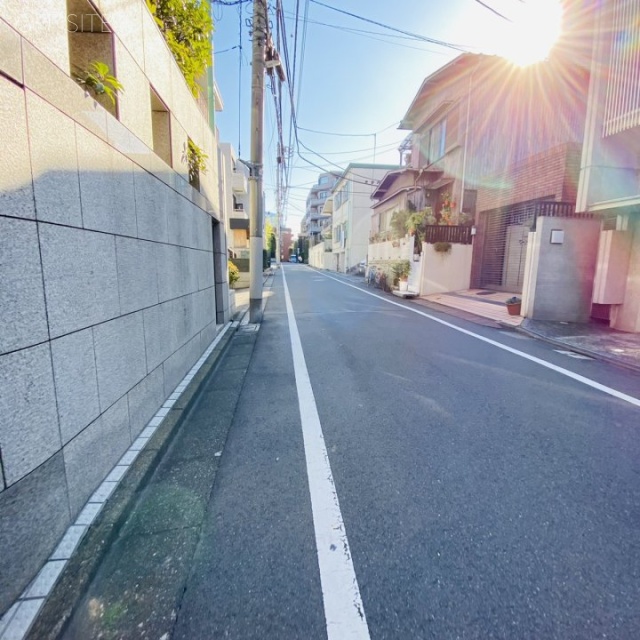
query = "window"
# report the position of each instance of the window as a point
(437, 141)
(161, 128)
(90, 41)
(322, 195)
(469, 204)
(323, 180)
(453, 127)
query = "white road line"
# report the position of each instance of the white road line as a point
(343, 609)
(543, 363)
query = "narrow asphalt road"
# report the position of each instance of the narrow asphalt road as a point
(398, 473)
(483, 495)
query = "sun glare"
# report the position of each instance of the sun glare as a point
(536, 27)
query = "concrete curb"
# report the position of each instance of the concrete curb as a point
(83, 565)
(596, 355)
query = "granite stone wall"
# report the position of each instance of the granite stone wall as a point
(107, 281)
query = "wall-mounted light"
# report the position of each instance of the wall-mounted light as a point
(557, 236)
(473, 230)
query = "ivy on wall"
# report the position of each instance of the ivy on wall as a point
(187, 28)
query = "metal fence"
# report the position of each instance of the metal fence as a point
(457, 234)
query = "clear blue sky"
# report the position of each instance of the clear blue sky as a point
(351, 82)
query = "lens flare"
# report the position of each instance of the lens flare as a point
(535, 29)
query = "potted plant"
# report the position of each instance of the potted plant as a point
(514, 304)
(401, 271)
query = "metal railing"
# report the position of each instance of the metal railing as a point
(455, 234)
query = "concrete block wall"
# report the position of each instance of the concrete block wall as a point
(559, 277)
(107, 289)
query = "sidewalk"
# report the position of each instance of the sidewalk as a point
(147, 530)
(592, 339)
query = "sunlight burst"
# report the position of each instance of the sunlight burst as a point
(535, 29)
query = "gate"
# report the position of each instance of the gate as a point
(505, 242)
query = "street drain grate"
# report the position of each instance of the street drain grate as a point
(573, 354)
(248, 328)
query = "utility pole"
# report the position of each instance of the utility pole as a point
(255, 179)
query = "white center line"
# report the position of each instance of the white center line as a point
(343, 609)
(543, 363)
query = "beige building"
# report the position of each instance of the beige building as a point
(112, 253)
(235, 178)
(351, 215)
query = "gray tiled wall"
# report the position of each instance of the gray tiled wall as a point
(106, 300)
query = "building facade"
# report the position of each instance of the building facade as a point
(235, 187)
(315, 219)
(112, 252)
(609, 186)
(490, 142)
(351, 217)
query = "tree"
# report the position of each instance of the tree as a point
(303, 249)
(399, 223)
(187, 28)
(269, 240)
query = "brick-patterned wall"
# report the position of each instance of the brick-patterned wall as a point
(552, 173)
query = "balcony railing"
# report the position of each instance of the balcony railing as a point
(381, 236)
(455, 234)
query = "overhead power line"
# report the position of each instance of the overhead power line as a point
(486, 6)
(348, 135)
(417, 36)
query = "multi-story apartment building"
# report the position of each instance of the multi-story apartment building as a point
(351, 218)
(113, 257)
(609, 184)
(315, 220)
(235, 186)
(286, 244)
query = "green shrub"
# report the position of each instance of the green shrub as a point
(99, 79)
(196, 160)
(400, 270)
(187, 28)
(234, 273)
